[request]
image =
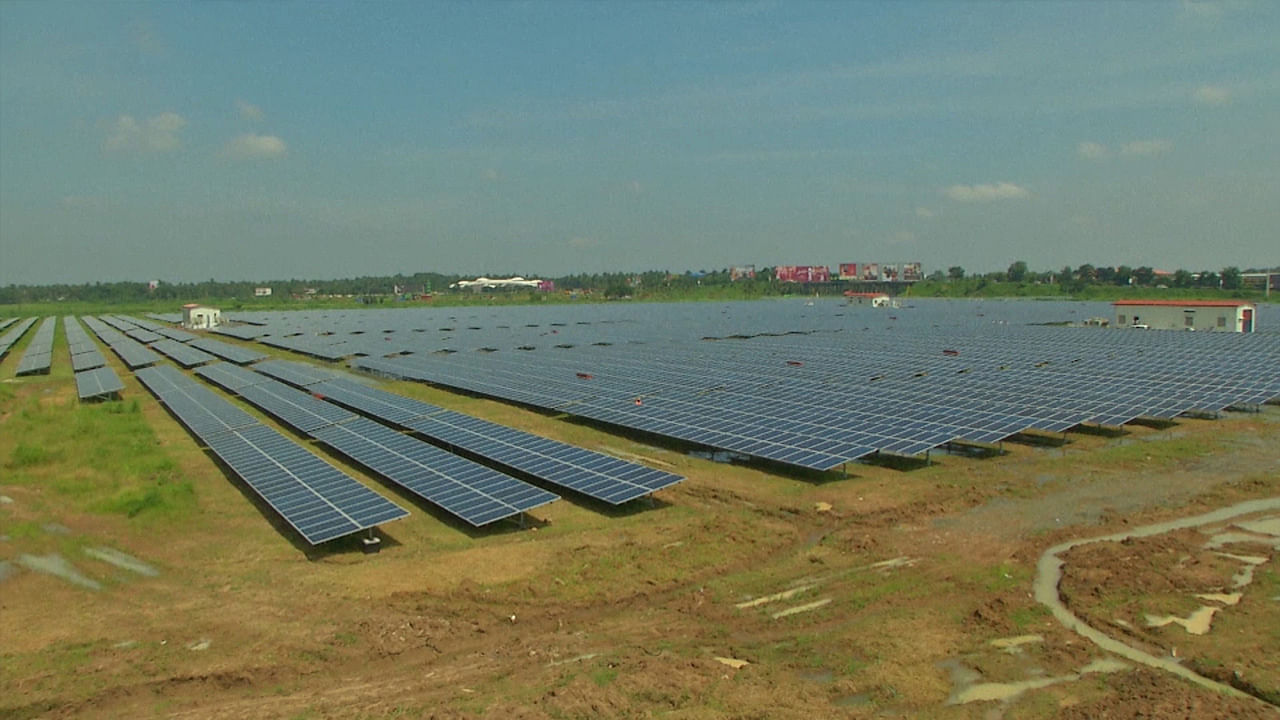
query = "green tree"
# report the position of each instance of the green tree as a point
(1144, 276)
(1017, 271)
(1183, 279)
(1231, 279)
(955, 272)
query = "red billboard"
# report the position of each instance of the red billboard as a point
(803, 273)
(848, 271)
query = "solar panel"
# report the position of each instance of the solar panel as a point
(184, 355)
(15, 334)
(591, 473)
(175, 334)
(318, 500)
(97, 382)
(227, 351)
(295, 373)
(87, 360)
(393, 408)
(143, 335)
(231, 377)
(202, 411)
(38, 357)
(472, 492)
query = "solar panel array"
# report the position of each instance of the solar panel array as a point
(470, 491)
(593, 474)
(133, 353)
(14, 334)
(184, 355)
(175, 334)
(812, 387)
(98, 382)
(315, 498)
(227, 351)
(85, 354)
(38, 357)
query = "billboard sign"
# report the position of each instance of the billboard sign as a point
(889, 272)
(911, 272)
(848, 271)
(871, 272)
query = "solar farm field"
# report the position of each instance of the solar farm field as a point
(773, 509)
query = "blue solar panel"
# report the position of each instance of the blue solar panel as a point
(97, 383)
(227, 351)
(472, 492)
(231, 377)
(184, 355)
(295, 373)
(202, 411)
(320, 501)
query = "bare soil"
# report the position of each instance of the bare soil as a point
(908, 577)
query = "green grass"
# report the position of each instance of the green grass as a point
(102, 458)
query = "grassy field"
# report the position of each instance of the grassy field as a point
(880, 592)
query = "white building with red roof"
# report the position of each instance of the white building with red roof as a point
(1199, 315)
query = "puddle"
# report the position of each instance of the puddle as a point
(1233, 538)
(200, 645)
(7, 570)
(1049, 574)
(897, 562)
(784, 595)
(801, 608)
(121, 560)
(5, 500)
(56, 528)
(734, 663)
(1223, 598)
(822, 677)
(967, 685)
(1197, 623)
(54, 564)
(1013, 645)
(1261, 526)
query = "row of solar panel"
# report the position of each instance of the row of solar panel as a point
(315, 498)
(592, 474)
(467, 490)
(14, 334)
(38, 357)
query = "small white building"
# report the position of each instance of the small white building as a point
(1199, 315)
(262, 292)
(200, 317)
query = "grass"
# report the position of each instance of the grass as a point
(102, 458)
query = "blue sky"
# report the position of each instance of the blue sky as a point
(316, 140)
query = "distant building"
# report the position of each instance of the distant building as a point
(741, 272)
(200, 317)
(484, 283)
(874, 299)
(262, 292)
(1199, 315)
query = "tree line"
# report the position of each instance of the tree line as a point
(611, 285)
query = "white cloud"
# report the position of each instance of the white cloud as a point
(248, 110)
(1211, 95)
(1146, 147)
(924, 212)
(1093, 150)
(985, 193)
(157, 134)
(252, 145)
